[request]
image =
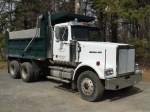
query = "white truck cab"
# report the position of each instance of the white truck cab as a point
(113, 63)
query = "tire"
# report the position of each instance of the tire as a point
(14, 69)
(90, 86)
(26, 72)
(126, 89)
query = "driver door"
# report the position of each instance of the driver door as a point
(61, 47)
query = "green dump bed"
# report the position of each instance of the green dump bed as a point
(17, 41)
(15, 46)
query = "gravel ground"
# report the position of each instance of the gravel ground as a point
(51, 96)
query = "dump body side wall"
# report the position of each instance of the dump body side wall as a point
(35, 50)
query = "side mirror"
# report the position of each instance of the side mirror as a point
(57, 33)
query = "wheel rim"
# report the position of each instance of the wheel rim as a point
(24, 72)
(87, 86)
(12, 69)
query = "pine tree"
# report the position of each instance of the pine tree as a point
(129, 12)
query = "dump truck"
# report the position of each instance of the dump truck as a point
(66, 49)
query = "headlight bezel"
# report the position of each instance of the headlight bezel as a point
(109, 71)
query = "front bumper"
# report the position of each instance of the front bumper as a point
(122, 82)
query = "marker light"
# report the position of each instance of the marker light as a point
(97, 63)
(85, 23)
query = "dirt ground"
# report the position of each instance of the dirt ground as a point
(52, 96)
(145, 77)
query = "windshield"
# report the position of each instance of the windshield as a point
(84, 33)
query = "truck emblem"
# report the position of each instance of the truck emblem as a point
(61, 50)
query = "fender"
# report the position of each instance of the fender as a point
(92, 64)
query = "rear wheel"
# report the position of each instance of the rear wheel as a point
(90, 86)
(14, 69)
(26, 72)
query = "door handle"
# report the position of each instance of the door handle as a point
(65, 43)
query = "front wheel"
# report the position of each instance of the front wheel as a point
(90, 86)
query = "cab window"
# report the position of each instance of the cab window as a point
(63, 34)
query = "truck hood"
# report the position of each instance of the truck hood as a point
(98, 51)
(118, 56)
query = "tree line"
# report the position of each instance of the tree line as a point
(125, 21)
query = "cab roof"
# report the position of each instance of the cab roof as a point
(66, 17)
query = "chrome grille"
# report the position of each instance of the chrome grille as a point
(126, 60)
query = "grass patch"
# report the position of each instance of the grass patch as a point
(3, 64)
(146, 73)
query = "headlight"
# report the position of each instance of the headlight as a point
(109, 71)
(136, 66)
